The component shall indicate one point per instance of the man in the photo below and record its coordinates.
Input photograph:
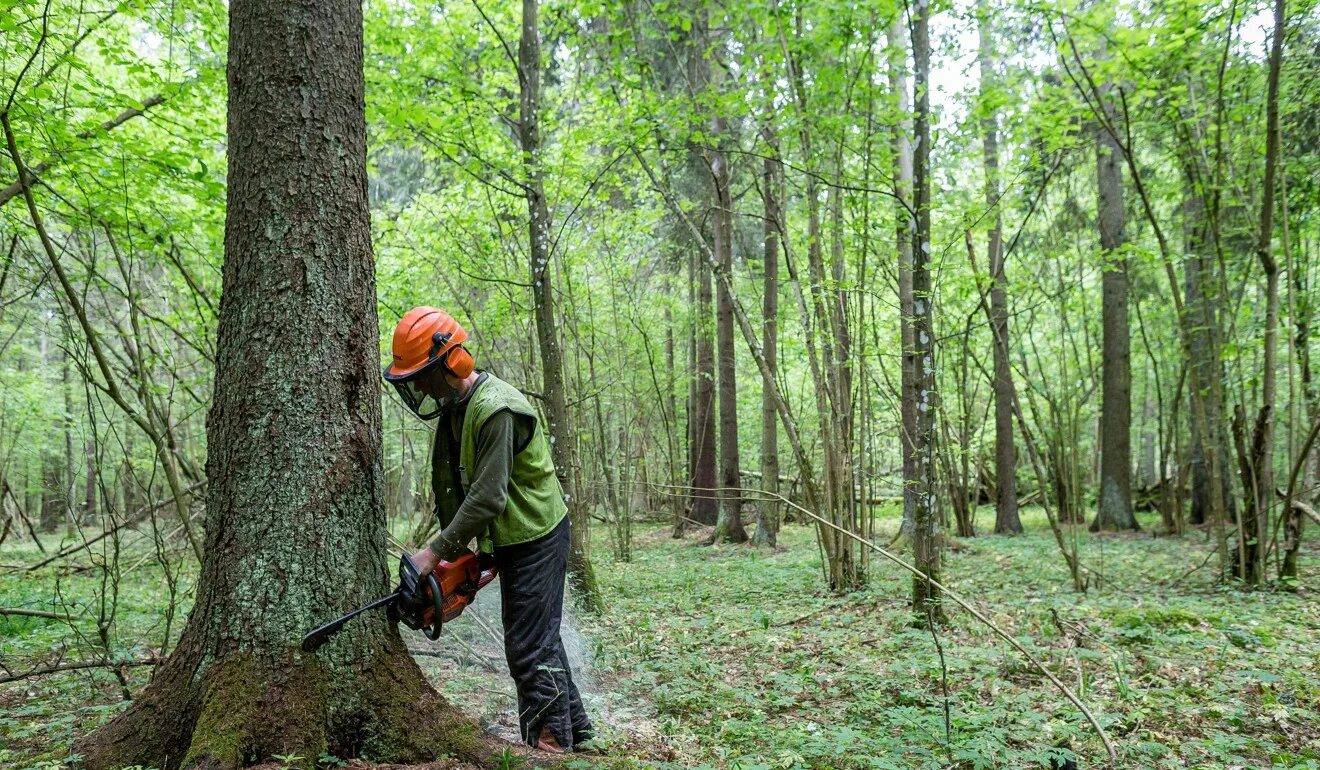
(494, 481)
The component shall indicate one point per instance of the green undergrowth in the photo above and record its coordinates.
(750, 664)
(736, 657)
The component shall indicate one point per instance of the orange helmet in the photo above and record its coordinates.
(423, 338)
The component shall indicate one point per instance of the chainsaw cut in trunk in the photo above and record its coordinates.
(295, 526)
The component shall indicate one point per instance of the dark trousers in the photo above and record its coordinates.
(532, 595)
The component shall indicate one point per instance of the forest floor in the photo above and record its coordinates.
(733, 657)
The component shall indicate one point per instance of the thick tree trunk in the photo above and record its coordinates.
(295, 526)
(1114, 507)
(925, 531)
(767, 513)
(1007, 521)
(563, 439)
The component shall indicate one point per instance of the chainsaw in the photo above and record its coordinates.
(422, 604)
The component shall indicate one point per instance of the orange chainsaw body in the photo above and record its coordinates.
(459, 581)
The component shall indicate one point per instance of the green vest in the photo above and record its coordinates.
(535, 499)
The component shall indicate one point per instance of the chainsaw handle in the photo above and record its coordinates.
(437, 602)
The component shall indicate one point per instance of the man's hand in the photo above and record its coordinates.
(425, 561)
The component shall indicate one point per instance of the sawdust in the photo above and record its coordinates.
(466, 664)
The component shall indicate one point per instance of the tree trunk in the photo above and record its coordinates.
(1114, 507)
(70, 478)
(1147, 476)
(1007, 521)
(294, 466)
(729, 526)
(53, 501)
(925, 532)
(1262, 452)
(1202, 306)
(670, 404)
(89, 496)
(1294, 522)
(767, 513)
(902, 145)
(562, 438)
(705, 506)
(695, 418)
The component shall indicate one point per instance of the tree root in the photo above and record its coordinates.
(236, 712)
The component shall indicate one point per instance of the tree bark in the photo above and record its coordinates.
(1114, 507)
(89, 496)
(562, 437)
(729, 525)
(70, 477)
(925, 534)
(767, 514)
(1202, 307)
(1007, 521)
(902, 146)
(705, 505)
(1262, 453)
(294, 437)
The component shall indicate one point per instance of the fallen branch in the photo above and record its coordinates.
(24, 612)
(1301, 506)
(44, 670)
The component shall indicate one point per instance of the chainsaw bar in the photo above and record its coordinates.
(319, 636)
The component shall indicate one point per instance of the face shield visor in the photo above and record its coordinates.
(425, 392)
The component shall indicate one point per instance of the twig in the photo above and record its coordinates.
(14, 188)
(135, 518)
(478, 659)
(7, 490)
(482, 622)
(944, 676)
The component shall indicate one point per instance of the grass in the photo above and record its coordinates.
(733, 657)
(750, 664)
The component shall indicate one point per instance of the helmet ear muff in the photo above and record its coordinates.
(460, 362)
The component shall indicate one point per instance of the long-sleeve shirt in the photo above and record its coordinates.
(500, 438)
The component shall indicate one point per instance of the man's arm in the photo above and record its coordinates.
(488, 492)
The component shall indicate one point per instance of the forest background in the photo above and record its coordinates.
(872, 268)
